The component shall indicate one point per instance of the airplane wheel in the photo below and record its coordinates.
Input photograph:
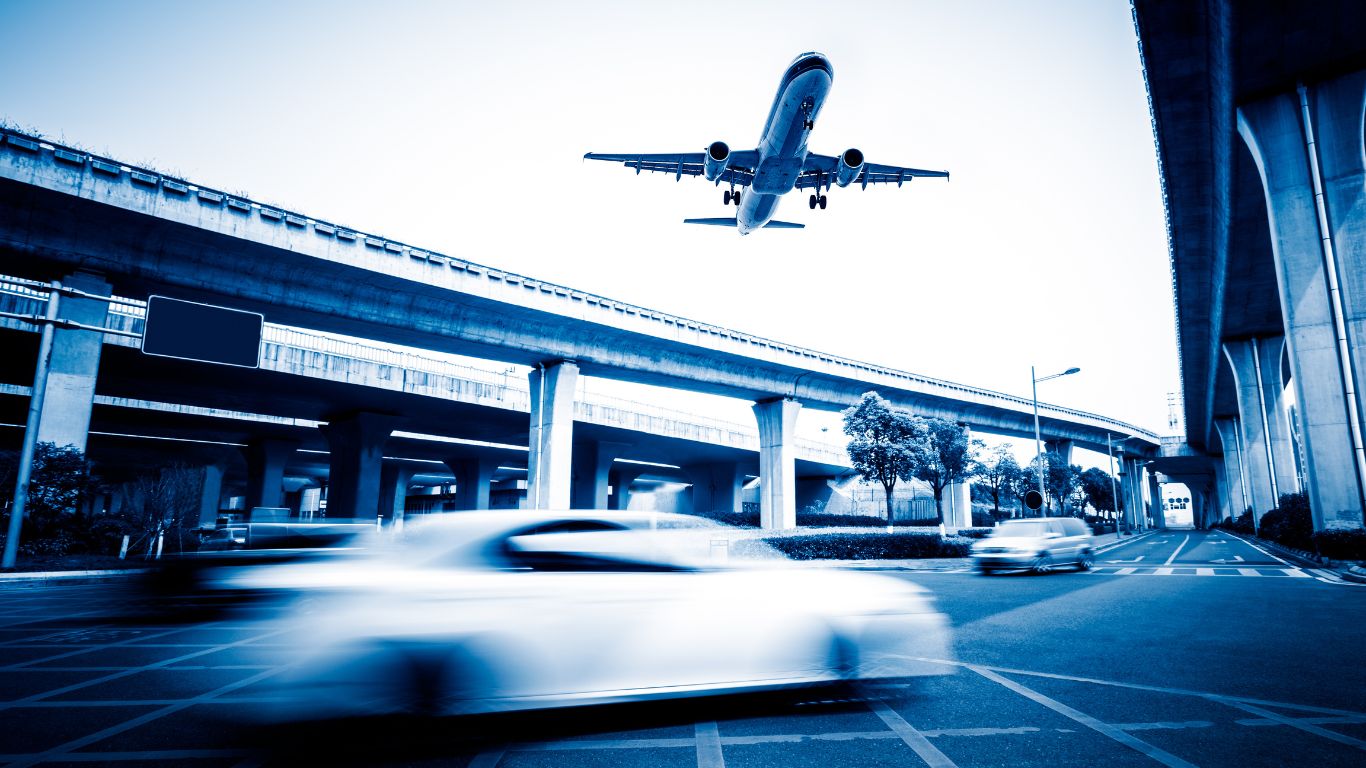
(737, 198)
(821, 202)
(812, 202)
(726, 197)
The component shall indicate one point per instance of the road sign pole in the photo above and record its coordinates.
(35, 412)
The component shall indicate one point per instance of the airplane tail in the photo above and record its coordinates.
(731, 223)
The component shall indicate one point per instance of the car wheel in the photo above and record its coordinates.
(1088, 559)
(1042, 563)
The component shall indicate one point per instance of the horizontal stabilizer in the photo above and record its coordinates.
(731, 223)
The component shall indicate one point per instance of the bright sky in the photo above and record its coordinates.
(460, 127)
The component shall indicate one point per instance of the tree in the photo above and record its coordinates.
(883, 443)
(1061, 480)
(947, 457)
(1099, 490)
(165, 502)
(999, 473)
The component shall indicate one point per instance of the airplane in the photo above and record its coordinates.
(781, 162)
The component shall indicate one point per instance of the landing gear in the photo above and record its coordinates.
(726, 198)
(811, 203)
(733, 196)
(808, 104)
(816, 200)
(821, 202)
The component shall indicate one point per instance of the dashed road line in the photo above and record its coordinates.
(708, 740)
(1292, 722)
(1179, 547)
(912, 738)
(1132, 742)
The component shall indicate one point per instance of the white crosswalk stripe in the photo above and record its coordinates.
(1216, 571)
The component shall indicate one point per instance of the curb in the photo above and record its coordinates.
(1354, 573)
(75, 577)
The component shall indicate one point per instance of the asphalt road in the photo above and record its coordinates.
(1181, 648)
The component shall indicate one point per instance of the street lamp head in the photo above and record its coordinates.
(1071, 371)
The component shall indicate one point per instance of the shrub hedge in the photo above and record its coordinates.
(1290, 524)
(865, 546)
(1342, 544)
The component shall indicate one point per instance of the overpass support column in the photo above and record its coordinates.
(958, 505)
(393, 491)
(1133, 493)
(592, 469)
(622, 477)
(715, 487)
(210, 492)
(777, 462)
(1308, 149)
(356, 445)
(550, 461)
(473, 480)
(70, 391)
(1235, 480)
(1158, 514)
(266, 460)
(1268, 461)
(1061, 447)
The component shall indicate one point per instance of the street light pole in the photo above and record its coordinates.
(1038, 441)
(35, 412)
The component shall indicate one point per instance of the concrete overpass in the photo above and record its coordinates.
(111, 226)
(1257, 113)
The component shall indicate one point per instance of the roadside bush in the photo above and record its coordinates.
(1342, 544)
(983, 519)
(975, 533)
(1290, 524)
(866, 546)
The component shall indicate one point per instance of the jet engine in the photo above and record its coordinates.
(851, 165)
(714, 162)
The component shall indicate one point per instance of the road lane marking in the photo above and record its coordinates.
(1136, 744)
(912, 738)
(1293, 723)
(708, 740)
(1125, 571)
(1204, 571)
(1142, 687)
(1296, 573)
(1249, 572)
(1179, 547)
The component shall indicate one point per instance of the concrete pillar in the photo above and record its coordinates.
(715, 487)
(622, 477)
(777, 462)
(473, 480)
(210, 491)
(958, 505)
(393, 491)
(592, 467)
(1235, 480)
(1156, 512)
(356, 447)
(1131, 490)
(551, 441)
(266, 460)
(1314, 254)
(1266, 449)
(70, 390)
(1061, 447)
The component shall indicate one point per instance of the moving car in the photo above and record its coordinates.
(481, 612)
(1037, 543)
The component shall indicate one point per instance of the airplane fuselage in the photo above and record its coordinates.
(782, 148)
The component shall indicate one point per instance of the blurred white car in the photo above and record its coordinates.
(497, 611)
(1039, 544)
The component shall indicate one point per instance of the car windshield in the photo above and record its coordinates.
(1021, 528)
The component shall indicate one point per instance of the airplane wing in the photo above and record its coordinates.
(819, 171)
(739, 168)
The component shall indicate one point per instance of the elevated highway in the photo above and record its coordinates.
(143, 232)
(1257, 114)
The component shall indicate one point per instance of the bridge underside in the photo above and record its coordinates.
(1270, 354)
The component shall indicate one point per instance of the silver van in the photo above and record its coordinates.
(1037, 543)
